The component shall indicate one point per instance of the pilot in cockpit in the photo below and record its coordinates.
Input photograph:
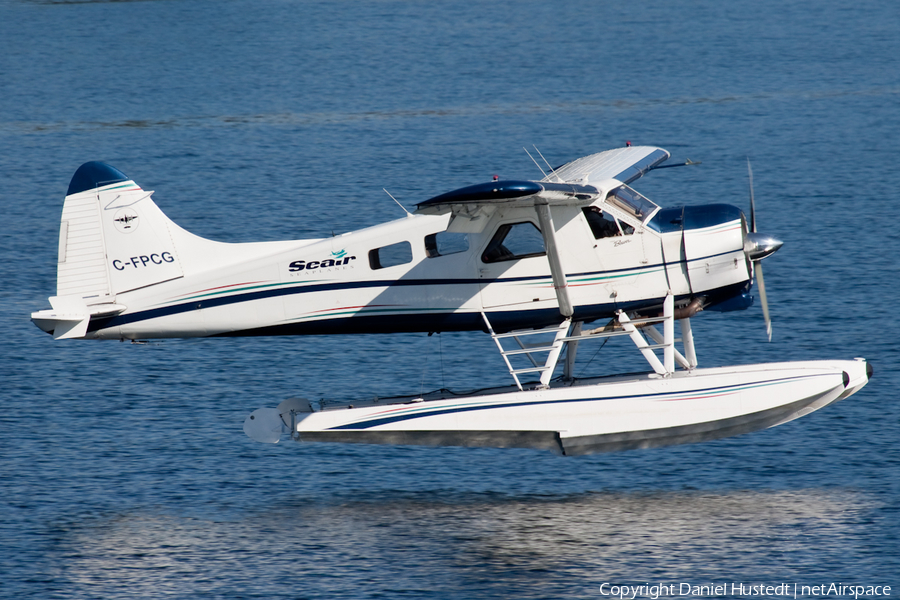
(602, 226)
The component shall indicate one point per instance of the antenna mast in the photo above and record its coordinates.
(408, 214)
(545, 162)
(534, 161)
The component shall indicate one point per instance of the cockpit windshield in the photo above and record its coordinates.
(627, 199)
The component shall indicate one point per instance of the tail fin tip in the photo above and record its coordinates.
(92, 175)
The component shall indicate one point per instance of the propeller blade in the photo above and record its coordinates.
(762, 299)
(757, 248)
(752, 202)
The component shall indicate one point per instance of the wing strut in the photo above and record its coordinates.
(556, 271)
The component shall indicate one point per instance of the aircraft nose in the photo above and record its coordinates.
(760, 245)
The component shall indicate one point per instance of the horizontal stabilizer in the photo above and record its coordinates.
(70, 316)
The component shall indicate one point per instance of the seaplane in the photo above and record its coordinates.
(542, 266)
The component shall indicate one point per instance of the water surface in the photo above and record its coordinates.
(123, 468)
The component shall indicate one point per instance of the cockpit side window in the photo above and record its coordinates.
(514, 241)
(604, 225)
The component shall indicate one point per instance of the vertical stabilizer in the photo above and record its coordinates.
(113, 238)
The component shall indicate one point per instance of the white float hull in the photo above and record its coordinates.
(589, 416)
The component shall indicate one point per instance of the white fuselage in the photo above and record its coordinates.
(332, 285)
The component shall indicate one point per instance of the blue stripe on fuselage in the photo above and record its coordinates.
(165, 311)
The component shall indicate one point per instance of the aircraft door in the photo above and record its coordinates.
(514, 271)
(619, 249)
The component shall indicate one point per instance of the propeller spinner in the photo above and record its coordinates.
(757, 246)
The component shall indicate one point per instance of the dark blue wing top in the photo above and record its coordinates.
(497, 192)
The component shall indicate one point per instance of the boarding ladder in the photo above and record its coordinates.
(563, 337)
(553, 349)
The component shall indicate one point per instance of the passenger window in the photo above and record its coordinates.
(604, 225)
(444, 243)
(390, 256)
(514, 241)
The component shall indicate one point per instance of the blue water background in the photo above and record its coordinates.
(123, 468)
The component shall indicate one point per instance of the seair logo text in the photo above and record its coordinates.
(340, 260)
(143, 261)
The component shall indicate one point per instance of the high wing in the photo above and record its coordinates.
(623, 164)
(514, 194)
(577, 183)
(573, 184)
